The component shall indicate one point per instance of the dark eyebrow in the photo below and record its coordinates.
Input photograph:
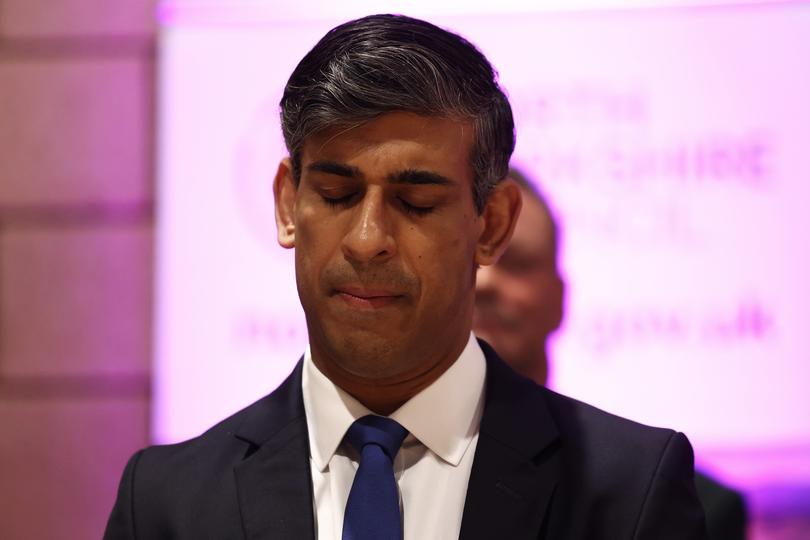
(338, 169)
(414, 176)
(407, 176)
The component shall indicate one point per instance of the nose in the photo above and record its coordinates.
(370, 238)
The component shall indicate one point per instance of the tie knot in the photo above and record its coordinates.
(379, 430)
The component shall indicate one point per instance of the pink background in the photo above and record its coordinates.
(673, 144)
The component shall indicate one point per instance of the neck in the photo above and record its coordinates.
(385, 399)
(384, 395)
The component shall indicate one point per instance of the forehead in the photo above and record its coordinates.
(397, 141)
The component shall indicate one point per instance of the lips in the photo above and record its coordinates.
(367, 298)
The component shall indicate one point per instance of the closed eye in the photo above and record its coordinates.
(414, 209)
(335, 202)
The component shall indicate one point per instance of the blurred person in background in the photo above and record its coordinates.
(520, 304)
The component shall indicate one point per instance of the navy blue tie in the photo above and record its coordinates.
(372, 511)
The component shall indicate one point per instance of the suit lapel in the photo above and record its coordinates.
(516, 464)
(273, 481)
(513, 478)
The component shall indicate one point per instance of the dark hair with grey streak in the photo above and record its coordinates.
(384, 63)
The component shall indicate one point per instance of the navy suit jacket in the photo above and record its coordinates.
(546, 467)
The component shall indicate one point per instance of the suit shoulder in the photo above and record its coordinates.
(252, 425)
(580, 421)
(216, 442)
(632, 476)
(614, 454)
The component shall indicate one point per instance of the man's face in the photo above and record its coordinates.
(519, 299)
(385, 236)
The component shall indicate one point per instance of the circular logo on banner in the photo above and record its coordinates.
(257, 154)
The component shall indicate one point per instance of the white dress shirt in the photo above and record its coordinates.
(433, 466)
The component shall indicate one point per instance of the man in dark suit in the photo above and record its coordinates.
(397, 423)
(519, 304)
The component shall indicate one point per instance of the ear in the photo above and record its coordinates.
(499, 217)
(284, 193)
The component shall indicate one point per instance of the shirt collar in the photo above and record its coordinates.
(444, 417)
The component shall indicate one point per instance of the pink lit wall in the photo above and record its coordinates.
(674, 146)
